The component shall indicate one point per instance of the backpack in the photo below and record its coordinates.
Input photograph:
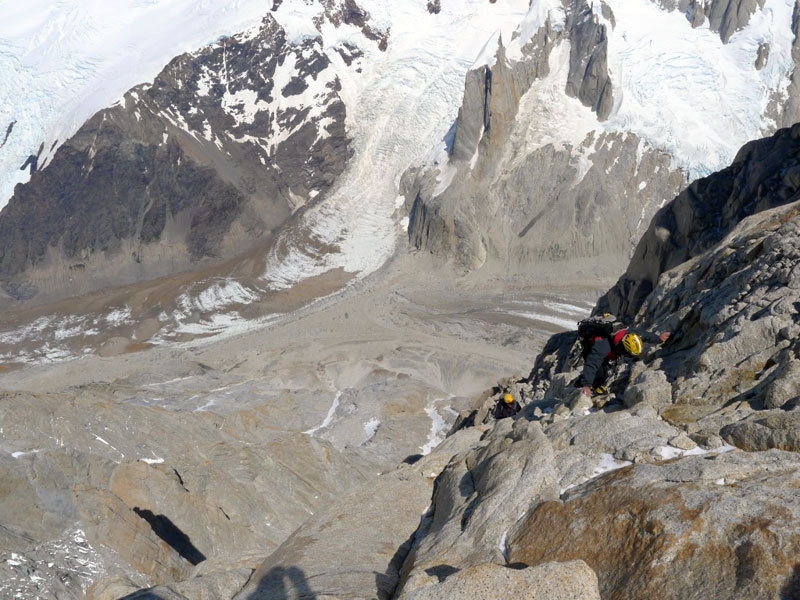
(594, 327)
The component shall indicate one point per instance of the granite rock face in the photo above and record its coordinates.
(719, 526)
(588, 78)
(528, 208)
(722, 16)
(765, 173)
(555, 581)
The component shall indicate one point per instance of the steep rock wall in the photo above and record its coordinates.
(765, 173)
(512, 206)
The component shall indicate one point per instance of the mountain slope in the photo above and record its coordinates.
(567, 145)
(210, 158)
(763, 175)
(573, 94)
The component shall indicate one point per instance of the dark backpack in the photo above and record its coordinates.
(593, 327)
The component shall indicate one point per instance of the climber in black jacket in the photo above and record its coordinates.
(506, 407)
(606, 350)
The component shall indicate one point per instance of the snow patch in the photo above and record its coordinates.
(371, 428)
(438, 430)
(329, 417)
(606, 463)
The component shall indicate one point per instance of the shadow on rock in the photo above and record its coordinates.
(792, 587)
(164, 528)
(386, 583)
(274, 586)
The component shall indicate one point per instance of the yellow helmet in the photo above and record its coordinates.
(633, 344)
(508, 398)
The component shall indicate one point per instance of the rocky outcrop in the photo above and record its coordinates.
(198, 166)
(349, 12)
(670, 531)
(723, 16)
(515, 207)
(555, 581)
(764, 174)
(588, 78)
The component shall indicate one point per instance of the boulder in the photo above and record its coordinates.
(712, 526)
(651, 388)
(765, 430)
(785, 386)
(572, 580)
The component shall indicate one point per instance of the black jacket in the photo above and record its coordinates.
(605, 351)
(503, 410)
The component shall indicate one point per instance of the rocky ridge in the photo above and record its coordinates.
(682, 485)
(701, 442)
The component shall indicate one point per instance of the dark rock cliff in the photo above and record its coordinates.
(588, 78)
(764, 174)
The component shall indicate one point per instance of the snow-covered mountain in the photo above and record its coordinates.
(445, 112)
(244, 302)
(63, 61)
